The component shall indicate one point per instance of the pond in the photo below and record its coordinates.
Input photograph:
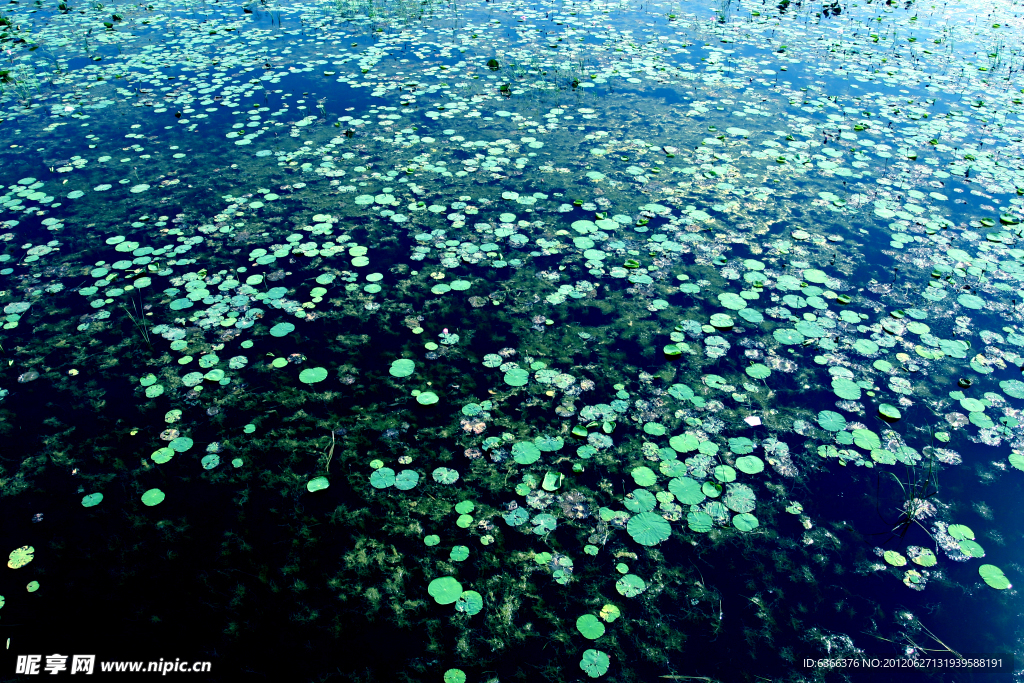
(382, 340)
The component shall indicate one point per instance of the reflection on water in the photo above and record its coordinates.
(424, 341)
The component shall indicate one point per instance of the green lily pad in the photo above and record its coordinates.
(750, 464)
(153, 497)
(427, 398)
(525, 452)
(317, 484)
(281, 329)
(445, 475)
(890, 413)
(590, 626)
(831, 421)
(313, 375)
(403, 367)
(687, 491)
(644, 476)
(648, 528)
(894, 558)
(470, 602)
(595, 663)
(454, 676)
(382, 478)
(788, 336)
(630, 585)
(517, 377)
(758, 371)
(745, 522)
(994, 577)
(445, 590)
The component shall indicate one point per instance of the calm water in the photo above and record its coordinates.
(489, 341)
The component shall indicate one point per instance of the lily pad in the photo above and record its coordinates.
(590, 627)
(994, 577)
(313, 375)
(445, 590)
(403, 367)
(648, 528)
(630, 585)
(317, 484)
(595, 663)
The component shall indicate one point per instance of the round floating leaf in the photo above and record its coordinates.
(403, 367)
(787, 335)
(92, 500)
(427, 398)
(470, 602)
(739, 498)
(445, 475)
(684, 443)
(758, 371)
(406, 480)
(516, 517)
(750, 464)
(961, 532)
(993, 576)
(630, 585)
(644, 476)
(19, 557)
(700, 522)
(317, 484)
(711, 489)
(925, 558)
(525, 452)
(648, 528)
(431, 540)
(445, 590)
(459, 553)
(866, 439)
(382, 478)
(281, 329)
(1013, 387)
(721, 320)
(1017, 460)
(846, 389)
(590, 626)
(971, 549)
(894, 558)
(745, 522)
(153, 497)
(890, 413)
(595, 663)
(972, 405)
(971, 301)
(549, 443)
(180, 444)
(454, 676)
(831, 421)
(517, 377)
(313, 375)
(654, 429)
(733, 302)
(725, 474)
(687, 491)
(741, 445)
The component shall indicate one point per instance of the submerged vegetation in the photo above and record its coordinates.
(486, 341)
